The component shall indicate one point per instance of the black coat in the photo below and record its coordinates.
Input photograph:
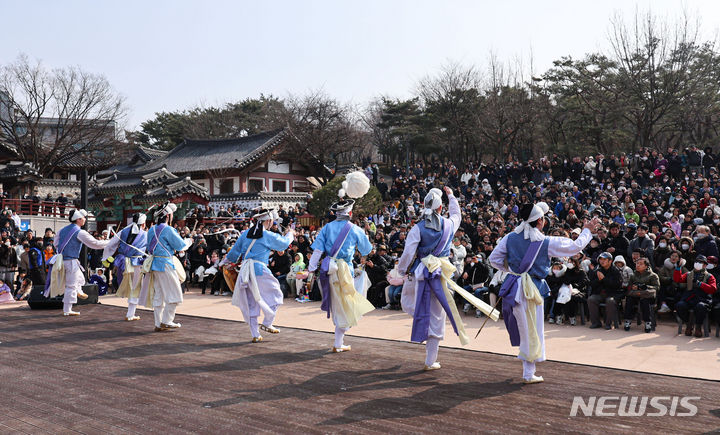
(609, 286)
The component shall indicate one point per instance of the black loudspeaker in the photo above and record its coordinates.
(92, 291)
(37, 299)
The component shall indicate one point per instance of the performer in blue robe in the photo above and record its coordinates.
(256, 289)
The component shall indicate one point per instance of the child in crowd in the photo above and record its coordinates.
(98, 278)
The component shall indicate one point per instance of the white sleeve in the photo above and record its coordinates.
(454, 210)
(314, 260)
(111, 247)
(90, 241)
(566, 247)
(411, 242)
(499, 254)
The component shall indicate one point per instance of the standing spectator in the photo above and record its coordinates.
(62, 201)
(641, 241)
(616, 242)
(37, 264)
(644, 284)
(8, 261)
(605, 282)
(701, 285)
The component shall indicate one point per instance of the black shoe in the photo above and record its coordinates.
(626, 326)
(595, 326)
(609, 327)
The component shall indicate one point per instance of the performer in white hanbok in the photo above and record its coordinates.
(525, 254)
(256, 289)
(130, 244)
(163, 271)
(338, 240)
(66, 275)
(426, 294)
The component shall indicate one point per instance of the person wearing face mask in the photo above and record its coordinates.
(705, 244)
(593, 249)
(701, 286)
(713, 269)
(669, 290)
(687, 249)
(662, 251)
(644, 283)
(554, 281)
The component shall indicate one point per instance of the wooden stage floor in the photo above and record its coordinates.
(98, 374)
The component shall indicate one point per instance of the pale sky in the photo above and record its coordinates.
(174, 54)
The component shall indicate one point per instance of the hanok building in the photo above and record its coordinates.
(250, 171)
(116, 198)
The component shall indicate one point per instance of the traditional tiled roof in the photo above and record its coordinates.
(17, 170)
(215, 154)
(148, 185)
(147, 154)
(266, 196)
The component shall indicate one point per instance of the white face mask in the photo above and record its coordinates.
(698, 266)
(570, 266)
(557, 272)
(710, 266)
(701, 235)
(685, 246)
(662, 245)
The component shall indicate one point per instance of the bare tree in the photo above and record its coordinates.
(323, 127)
(53, 117)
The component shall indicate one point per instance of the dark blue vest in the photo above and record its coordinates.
(517, 245)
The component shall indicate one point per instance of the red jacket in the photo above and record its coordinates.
(708, 287)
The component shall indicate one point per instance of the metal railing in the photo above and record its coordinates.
(36, 208)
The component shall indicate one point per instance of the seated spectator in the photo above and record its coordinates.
(576, 278)
(377, 266)
(296, 268)
(701, 285)
(554, 281)
(687, 250)
(670, 290)
(23, 292)
(625, 271)
(5, 293)
(474, 277)
(280, 266)
(644, 284)
(98, 278)
(393, 291)
(212, 273)
(705, 244)
(605, 285)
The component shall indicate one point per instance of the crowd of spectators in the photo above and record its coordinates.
(660, 220)
(655, 254)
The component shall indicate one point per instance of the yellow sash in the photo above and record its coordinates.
(347, 304)
(126, 289)
(447, 269)
(532, 295)
(57, 277)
